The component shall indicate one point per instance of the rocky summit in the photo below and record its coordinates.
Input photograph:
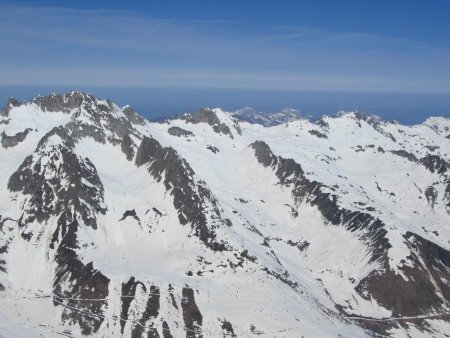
(220, 224)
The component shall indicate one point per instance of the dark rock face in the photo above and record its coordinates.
(427, 285)
(130, 213)
(215, 150)
(91, 117)
(12, 141)
(447, 193)
(318, 134)
(12, 102)
(264, 154)
(435, 163)
(205, 116)
(128, 294)
(222, 129)
(55, 178)
(300, 245)
(80, 288)
(7, 225)
(403, 153)
(290, 173)
(172, 297)
(322, 123)
(191, 314)
(209, 117)
(127, 146)
(227, 328)
(132, 116)
(180, 132)
(431, 195)
(101, 119)
(193, 200)
(166, 330)
(150, 313)
(60, 103)
(57, 182)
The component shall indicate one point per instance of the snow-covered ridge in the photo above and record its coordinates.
(208, 225)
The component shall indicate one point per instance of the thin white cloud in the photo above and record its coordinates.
(60, 46)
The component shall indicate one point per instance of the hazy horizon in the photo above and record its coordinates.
(154, 102)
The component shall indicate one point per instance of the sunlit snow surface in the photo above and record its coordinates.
(157, 250)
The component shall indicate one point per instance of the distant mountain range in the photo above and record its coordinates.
(247, 114)
(221, 224)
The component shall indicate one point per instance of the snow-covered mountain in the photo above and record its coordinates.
(248, 114)
(210, 226)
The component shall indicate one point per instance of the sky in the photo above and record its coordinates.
(381, 56)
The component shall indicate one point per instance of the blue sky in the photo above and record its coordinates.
(319, 46)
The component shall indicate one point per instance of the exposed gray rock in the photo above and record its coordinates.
(192, 316)
(177, 131)
(205, 116)
(209, 117)
(145, 323)
(78, 287)
(322, 123)
(432, 148)
(264, 154)
(12, 102)
(418, 293)
(128, 295)
(166, 330)
(172, 297)
(192, 199)
(157, 212)
(447, 193)
(57, 182)
(132, 116)
(102, 119)
(403, 153)
(435, 163)
(12, 141)
(292, 211)
(127, 146)
(228, 328)
(53, 178)
(62, 103)
(91, 117)
(255, 331)
(222, 129)
(215, 150)
(317, 133)
(300, 245)
(431, 195)
(282, 277)
(130, 213)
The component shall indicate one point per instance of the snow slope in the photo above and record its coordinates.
(208, 225)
